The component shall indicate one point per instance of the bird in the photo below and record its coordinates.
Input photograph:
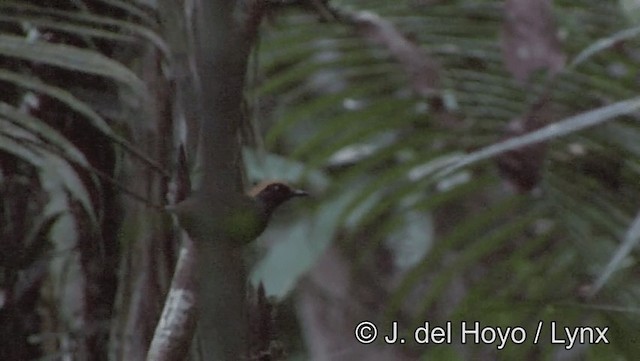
(241, 219)
(270, 195)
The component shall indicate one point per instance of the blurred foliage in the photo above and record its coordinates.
(343, 106)
(388, 167)
(72, 102)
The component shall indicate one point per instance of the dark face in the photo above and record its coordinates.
(275, 194)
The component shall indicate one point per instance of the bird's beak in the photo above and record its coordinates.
(299, 193)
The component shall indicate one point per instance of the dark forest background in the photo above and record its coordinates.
(468, 161)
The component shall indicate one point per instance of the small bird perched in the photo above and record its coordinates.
(270, 195)
(241, 219)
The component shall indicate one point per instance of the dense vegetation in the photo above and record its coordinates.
(468, 160)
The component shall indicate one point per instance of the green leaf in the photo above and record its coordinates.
(72, 58)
